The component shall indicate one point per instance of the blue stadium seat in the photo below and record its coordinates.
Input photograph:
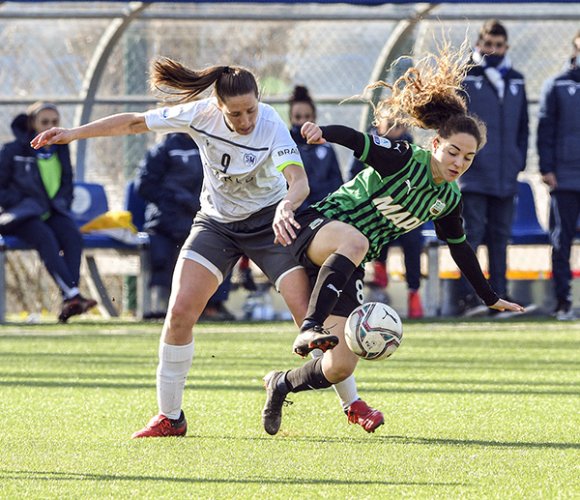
(90, 201)
(526, 229)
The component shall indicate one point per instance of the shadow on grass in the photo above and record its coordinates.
(460, 381)
(483, 443)
(249, 360)
(405, 440)
(72, 384)
(75, 476)
(196, 379)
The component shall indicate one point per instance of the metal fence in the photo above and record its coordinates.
(92, 57)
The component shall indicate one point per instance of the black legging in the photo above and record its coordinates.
(50, 237)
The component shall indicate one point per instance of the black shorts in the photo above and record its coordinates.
(218, 245)
(352, 295)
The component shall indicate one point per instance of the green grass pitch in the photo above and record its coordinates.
(473, 410)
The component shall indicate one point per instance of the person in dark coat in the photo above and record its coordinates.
(320, 160)
(36, 192)
(496, 94)
(558, 143)
(170, 179)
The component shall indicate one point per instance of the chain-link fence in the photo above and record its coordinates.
(92, 58)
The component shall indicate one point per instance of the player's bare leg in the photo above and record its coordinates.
(338, 249)
(193, 285)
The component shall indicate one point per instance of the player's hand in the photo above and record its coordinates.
(312, 133)
(550, 180)
(284, 224)
(504, 305)
(54, 135)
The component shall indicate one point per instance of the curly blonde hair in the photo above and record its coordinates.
(428, 95)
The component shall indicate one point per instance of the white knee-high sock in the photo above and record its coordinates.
(345, 390)
(174, 363)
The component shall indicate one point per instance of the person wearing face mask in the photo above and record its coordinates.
(496, 94)
(320, 160)
(558, 143)
(36, 192)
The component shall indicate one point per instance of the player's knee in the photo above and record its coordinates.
(337, 374)
(180, 317)
(357, 246)
(337, 370)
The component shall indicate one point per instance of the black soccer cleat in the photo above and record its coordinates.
(314, 338)
(75, 306)
(272, 412)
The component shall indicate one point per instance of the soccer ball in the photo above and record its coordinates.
(373, 331)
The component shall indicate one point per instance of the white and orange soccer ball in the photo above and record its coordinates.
(373, 331)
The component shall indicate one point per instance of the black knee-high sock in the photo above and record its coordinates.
(306, 378)
(333, 275)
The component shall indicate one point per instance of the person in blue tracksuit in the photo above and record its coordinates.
(496, 94)
(558, 143)
(170, 179)
(36, 192)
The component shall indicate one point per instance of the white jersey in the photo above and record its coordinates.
(242, 173)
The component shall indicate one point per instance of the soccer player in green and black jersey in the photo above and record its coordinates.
(404, 186)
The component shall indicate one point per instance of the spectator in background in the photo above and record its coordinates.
(170, 180)
(36, 192)
(411, 242)
(558, 144)
(496, 94)
(320, 160)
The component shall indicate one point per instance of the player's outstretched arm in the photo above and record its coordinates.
(120, 124)
(466, 260)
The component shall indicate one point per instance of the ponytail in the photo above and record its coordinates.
(183, 84)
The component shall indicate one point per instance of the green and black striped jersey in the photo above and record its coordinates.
(383, 203)
(395, 194)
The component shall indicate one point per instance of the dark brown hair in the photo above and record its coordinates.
(428, 95)
(301, 94)
(183, 84)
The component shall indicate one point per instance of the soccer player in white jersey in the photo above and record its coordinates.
(253, 181)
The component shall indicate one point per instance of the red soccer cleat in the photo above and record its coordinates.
(161, 426)
(362, 414)
(415, 310)
(381, 278)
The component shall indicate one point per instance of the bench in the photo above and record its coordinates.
(90, 200)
